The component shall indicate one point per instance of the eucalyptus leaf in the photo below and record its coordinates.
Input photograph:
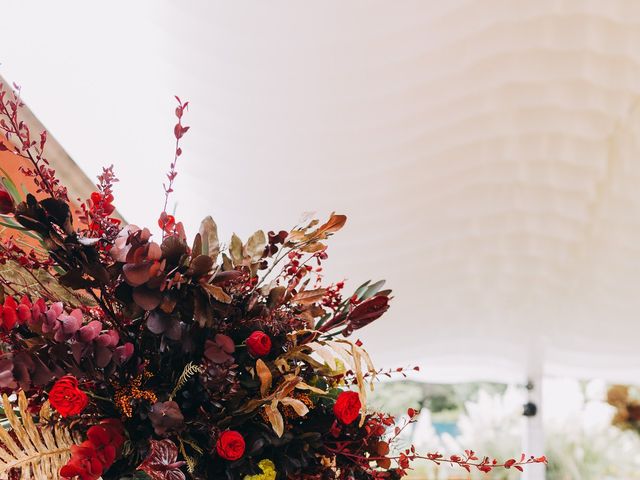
(361, 289)
(372, 290)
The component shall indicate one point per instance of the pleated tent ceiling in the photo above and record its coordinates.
(486, 152)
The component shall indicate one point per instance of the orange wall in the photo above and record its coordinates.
(10, 163)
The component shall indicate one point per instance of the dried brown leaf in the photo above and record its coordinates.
(309, 297)
(235, 250)
(217, 292)
(300, 408)
(209, 233)
(255, 246)
(335, 223)
(275, 418)
(313, 247)
(264, 374)
(196, 249)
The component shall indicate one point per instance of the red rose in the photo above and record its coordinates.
(230, 445)
(67, 398)
(259, 344)
(347, 407)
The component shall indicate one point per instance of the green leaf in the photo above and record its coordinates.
(12, 226)
(8, 222)
(372, 290)
(323, 320)
(362, 288)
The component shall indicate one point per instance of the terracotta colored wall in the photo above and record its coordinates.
(10, 163)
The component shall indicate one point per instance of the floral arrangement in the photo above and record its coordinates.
(132, 358)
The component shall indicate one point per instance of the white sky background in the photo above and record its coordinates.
(263, 145)
(469, 142)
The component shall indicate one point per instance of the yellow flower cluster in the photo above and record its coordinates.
(268, 471)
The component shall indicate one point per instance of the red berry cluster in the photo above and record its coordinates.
(333, 298)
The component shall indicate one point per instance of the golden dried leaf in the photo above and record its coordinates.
(275, 418)
(309, 297)
(235, 250)
(38, 450)
(282, 365)
(264, 374)
(255, 246)
(313, 247)
(285, 388)
(305, 386)
(328, 356)
(298, 406)
(217, 292)
(335, 223)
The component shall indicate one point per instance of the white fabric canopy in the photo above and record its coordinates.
(486, 152)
